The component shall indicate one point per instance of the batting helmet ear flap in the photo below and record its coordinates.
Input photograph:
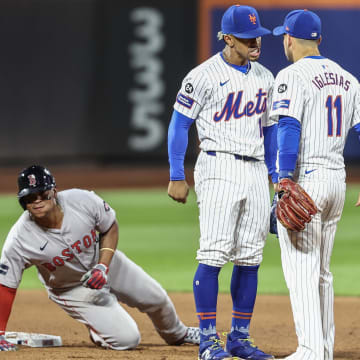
(32, 180)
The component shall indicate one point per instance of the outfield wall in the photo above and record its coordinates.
(92, 82)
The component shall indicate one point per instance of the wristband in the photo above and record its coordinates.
(109, 249)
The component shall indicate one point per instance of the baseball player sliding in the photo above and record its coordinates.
(71, 237)
(317, 103)
(227, 97)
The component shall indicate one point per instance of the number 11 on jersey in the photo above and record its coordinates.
(331, 105)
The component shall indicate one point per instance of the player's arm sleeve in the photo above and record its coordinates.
(104, 215)
(270, 144)
(13, 261)
(193, 94)
(177, 144)
(7, 296)
(289, 95)
(289, 130)
(357, 129)
(356, 116)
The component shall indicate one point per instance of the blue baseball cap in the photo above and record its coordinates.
(243, 22)
(302, 24)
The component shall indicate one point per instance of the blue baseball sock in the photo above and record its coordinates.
(244, 282)
(206, 287)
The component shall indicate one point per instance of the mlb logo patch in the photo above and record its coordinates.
(281, 104)
(185, 101)
(314, 34)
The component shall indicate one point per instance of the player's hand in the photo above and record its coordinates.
(178, 190)
(276, 187)
(358, 202)
(5, 345)
(95, 278)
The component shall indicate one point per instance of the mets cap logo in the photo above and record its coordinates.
(252, 18)
(32, 180)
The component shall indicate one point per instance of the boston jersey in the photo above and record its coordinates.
(63, 255)
(325, 99)
(230, 107)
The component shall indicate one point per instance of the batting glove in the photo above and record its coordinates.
(95, 278)
(5, 345)
(273, 219)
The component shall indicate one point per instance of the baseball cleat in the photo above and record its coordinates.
(244, 348)
(212, 350)
(192, 336)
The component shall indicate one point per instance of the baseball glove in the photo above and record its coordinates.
(295, 206)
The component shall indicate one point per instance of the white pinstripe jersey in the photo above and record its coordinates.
(230, 107)
(326, 100)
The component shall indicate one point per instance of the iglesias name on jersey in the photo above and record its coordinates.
(326, 100)
(229, 106)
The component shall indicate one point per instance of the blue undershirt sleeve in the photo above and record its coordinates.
(177, 144)
(270, 144)
(289, 130)
(357, 129)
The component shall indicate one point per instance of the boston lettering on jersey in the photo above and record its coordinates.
(326, 79)
(67, 254)
(232, 108)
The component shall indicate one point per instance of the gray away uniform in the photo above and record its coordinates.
(63, 256)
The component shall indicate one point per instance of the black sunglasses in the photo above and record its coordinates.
(44, 195)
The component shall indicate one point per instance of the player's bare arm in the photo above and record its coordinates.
(178, 190)
(358, 202)
(108, 244)
(96, 277)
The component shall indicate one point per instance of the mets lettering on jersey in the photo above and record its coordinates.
(221, 94)
(231, 109)
(67, 254)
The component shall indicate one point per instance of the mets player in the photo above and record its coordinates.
(317, 102)
(71, 237)
(227, 97)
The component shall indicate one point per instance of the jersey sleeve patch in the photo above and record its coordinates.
(185, 101)
(3, 269)
(106, 206)
(281, 104)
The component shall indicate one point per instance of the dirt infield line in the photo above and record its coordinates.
(272, 327)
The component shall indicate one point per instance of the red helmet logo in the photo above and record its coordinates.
(32, 180)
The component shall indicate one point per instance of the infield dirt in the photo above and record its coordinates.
(272, 328)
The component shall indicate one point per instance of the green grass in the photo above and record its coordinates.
(162, 236)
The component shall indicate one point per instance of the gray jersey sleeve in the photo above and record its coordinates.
(12, 262)
(104, 214)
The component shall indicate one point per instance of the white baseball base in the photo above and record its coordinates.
(32, 339)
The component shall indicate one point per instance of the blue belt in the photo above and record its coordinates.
(237, 157)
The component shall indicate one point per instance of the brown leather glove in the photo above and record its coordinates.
(295, 207)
